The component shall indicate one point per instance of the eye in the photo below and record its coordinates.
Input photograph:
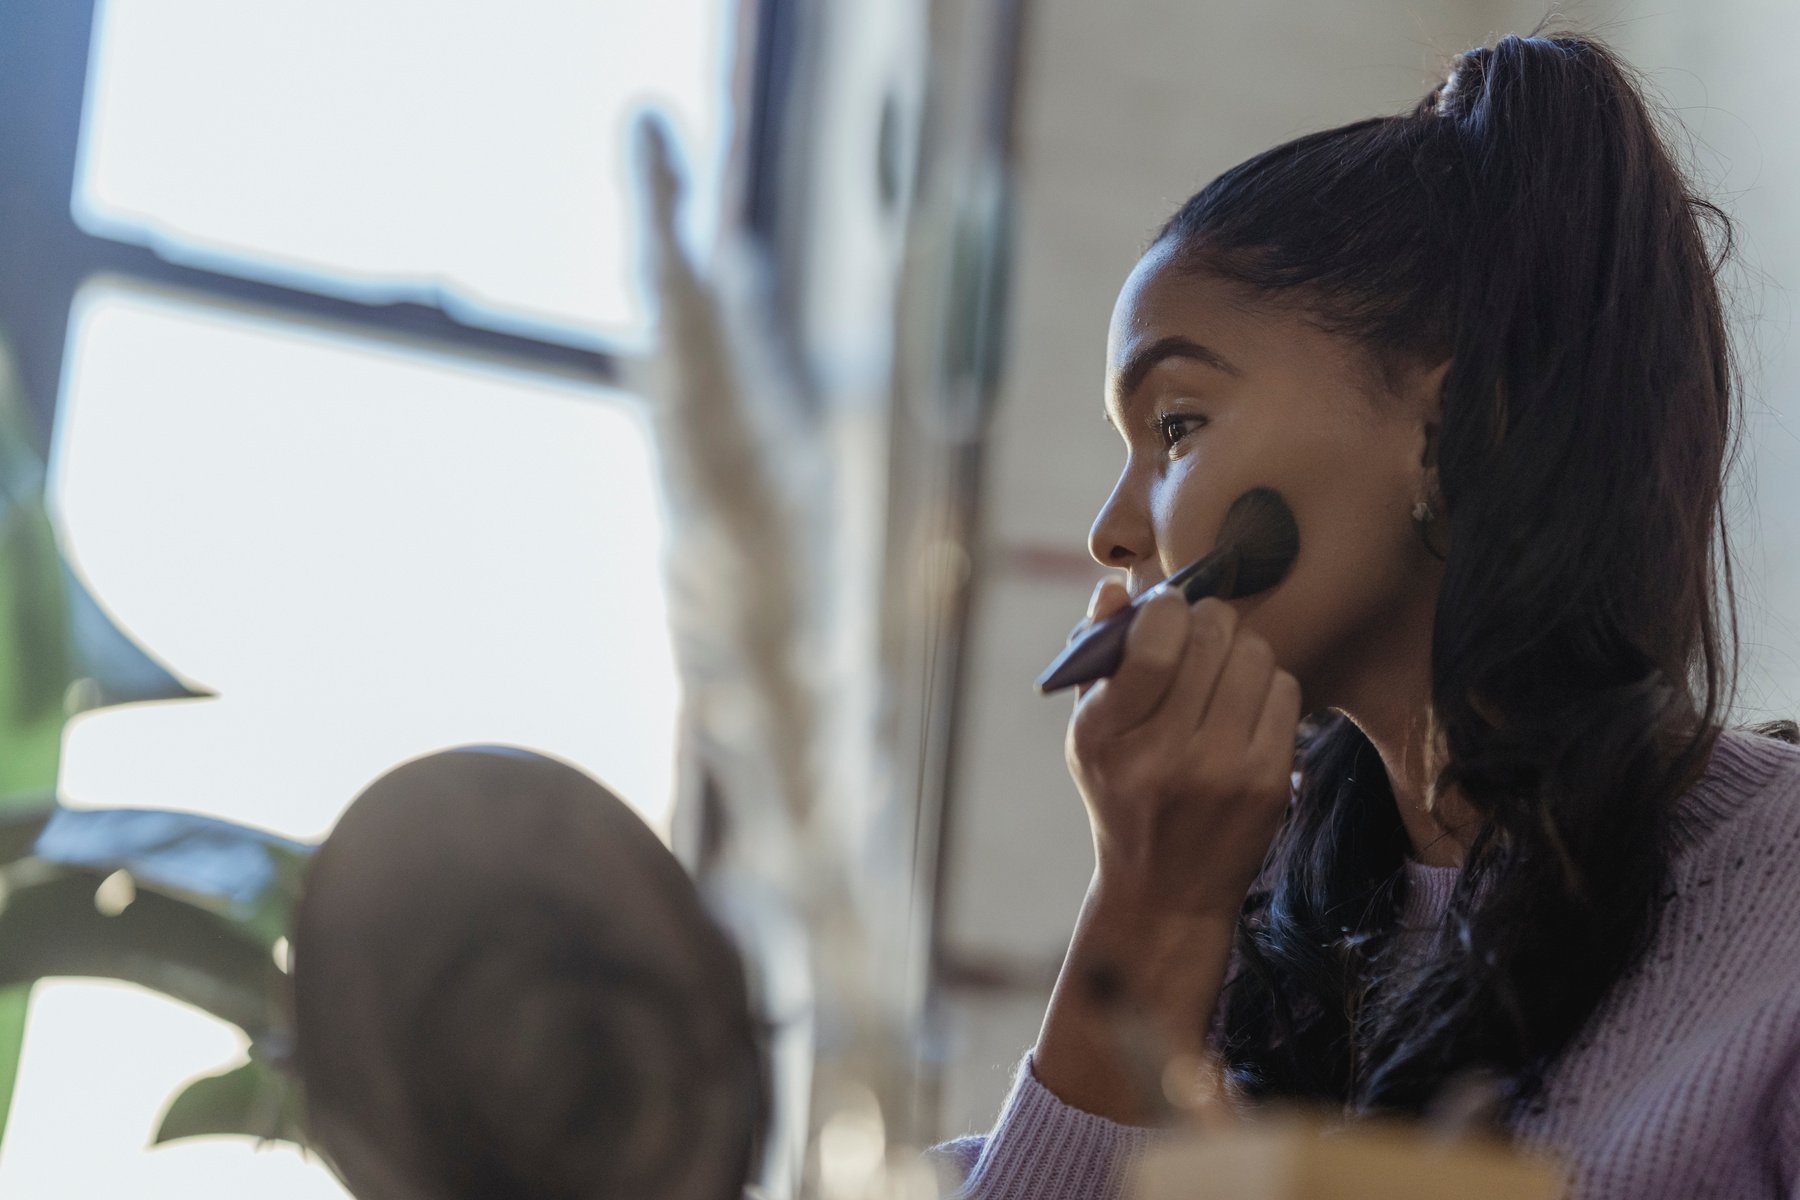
(1173, 427)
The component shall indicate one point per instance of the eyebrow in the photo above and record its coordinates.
(1139, 366)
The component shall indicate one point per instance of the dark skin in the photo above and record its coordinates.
(1183, 756)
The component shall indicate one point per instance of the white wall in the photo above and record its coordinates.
(1726, 69)
(1129, 107)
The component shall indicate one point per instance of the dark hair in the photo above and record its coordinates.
(1528, 221)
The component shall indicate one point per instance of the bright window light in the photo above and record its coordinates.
(369, 552)
(391, 148)
(100, 1062)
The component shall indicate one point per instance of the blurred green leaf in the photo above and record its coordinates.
(207, 902)
(53, 632)
(13, 1001)
(59, 645)
(54, 928)
(37, 661)
(255, 1099)
(36, 667)
(247, 876)
(204, 903)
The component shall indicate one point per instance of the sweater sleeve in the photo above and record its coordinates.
(1041, 1149)
(1785, 1133)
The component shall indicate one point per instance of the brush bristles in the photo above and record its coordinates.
(1260, 526)
(1256, 546)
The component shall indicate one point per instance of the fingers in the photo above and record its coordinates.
(1192, 676)
(1212, 626)
(1153, 651)
(1108, 598)
(1110, 595)
(1238, 700)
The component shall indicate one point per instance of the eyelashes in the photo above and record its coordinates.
(1173, 428)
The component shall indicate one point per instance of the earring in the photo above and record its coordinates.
(1423, 514)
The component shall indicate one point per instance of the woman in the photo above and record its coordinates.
(1479, 349)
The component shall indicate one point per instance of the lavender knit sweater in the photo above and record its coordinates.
(1684, 1085)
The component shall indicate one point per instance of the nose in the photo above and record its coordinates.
(1120, 537)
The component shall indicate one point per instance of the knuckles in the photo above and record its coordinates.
(1083, 742)
(1157, 637)
(1255, 651)
(1090, 734)
(1107, 599)
(1215, 619)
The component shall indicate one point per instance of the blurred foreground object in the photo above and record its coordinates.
(1292, 1157)
(506, 986)
(820, 396)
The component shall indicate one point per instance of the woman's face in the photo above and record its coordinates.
(1213, 398)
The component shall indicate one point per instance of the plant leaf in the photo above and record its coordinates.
(245, 875)
(254, 1099)
(53, 633)
(36, 667)
(53, 928)
(13, 1001)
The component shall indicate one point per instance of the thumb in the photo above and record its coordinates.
(1108, 598)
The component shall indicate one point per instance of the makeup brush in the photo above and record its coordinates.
(1255, 548)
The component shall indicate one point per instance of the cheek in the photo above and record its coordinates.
(1186, 509)
(1352, 574)
(1188, 504)
(1351, 503)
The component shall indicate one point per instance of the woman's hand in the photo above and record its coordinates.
(1184, 757)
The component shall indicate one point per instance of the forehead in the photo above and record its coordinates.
(1155, 263)
(1160, 299)
(1164, 297)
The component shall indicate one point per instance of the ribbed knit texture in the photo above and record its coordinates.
(1685, 1084)
(1042, 1147)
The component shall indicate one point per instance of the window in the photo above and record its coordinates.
(466, 154)
(368, 551)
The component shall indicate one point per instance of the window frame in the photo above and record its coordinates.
(45, 257)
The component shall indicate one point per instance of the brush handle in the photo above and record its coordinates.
(1093, 655)
(1097, 652)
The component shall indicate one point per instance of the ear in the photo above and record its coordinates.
(1425, 392)
(1425, 396)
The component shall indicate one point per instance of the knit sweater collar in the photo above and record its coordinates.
(1742, 764)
